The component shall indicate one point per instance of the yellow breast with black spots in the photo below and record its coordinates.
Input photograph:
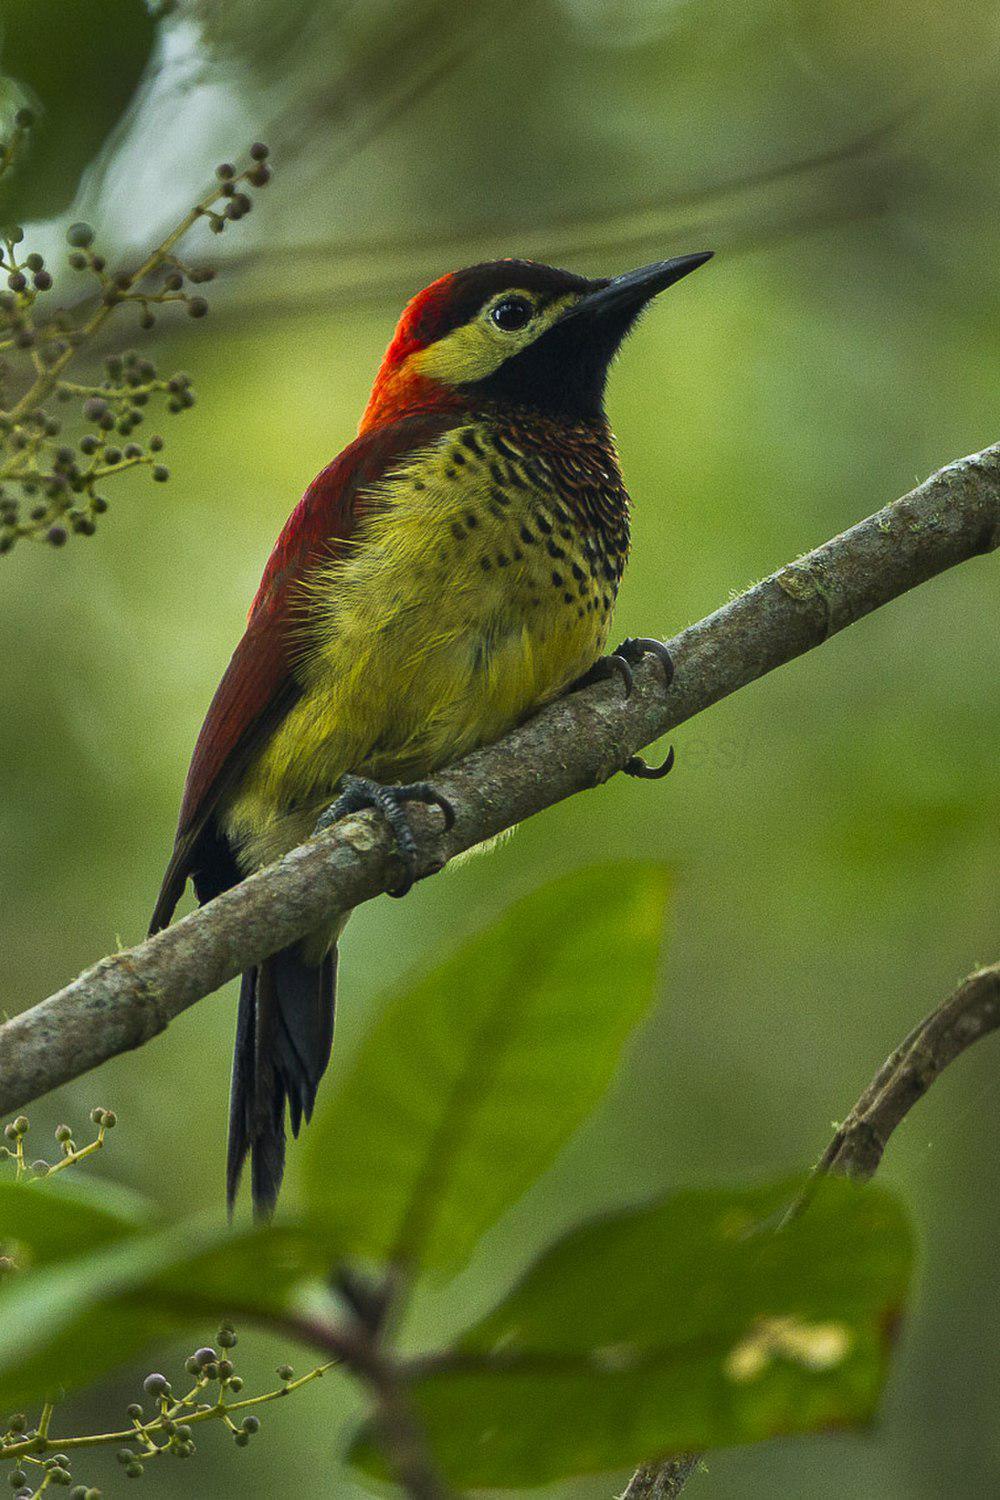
(480, 585)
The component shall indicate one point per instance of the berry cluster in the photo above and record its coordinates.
(160, 1425)
(16, 1136)
(52, 483)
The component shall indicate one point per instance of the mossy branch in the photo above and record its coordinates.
(574, 744)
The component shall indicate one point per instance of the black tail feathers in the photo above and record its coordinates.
(284, 1033)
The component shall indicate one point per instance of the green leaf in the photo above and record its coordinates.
(473, 1078)
(96, 1288)
(42, 1222)
(684, 1326)
(77, 63)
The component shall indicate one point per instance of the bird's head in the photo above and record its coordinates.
(516, 332)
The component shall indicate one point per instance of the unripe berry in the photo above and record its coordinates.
(80, 235)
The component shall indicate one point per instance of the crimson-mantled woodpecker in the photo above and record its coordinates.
(454, 568)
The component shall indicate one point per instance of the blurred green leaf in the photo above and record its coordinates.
(77, 63)
(683, 1326)
(96, 1287)
(474, 1077)
(48, 1222)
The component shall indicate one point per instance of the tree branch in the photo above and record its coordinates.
(971, 1013)
(576, 743)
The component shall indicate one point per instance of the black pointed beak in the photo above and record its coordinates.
(629, 293)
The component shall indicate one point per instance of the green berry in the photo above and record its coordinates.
(285, 1372)
(21, 1125)
(160, 473)
(80, 235)
(63, 1133)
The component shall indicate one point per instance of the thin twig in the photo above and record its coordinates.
(573, 744)
(971, 1013)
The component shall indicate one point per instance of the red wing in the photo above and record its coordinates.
(259, 685)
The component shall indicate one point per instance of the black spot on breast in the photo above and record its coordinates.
(554, 550)
(471, 520)
(502, 560)
(485, 564)
(457, 457)
(472, 442)
(567, 598)
(528, 536)
(557, 579)
(502, 445)
(578, 573)
(499, 496)
(457, 530)
(542, 523)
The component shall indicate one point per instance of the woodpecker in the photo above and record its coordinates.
(450, 571)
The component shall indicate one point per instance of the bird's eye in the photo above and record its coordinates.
(512, 313)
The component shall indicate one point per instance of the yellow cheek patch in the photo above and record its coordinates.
(478, 348)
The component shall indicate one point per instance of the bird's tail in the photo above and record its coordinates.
(284, 1033)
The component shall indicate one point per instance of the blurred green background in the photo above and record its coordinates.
(834, 829)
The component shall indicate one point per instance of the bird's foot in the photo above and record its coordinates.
(636, 766)
(358, 792)
(619, 663)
